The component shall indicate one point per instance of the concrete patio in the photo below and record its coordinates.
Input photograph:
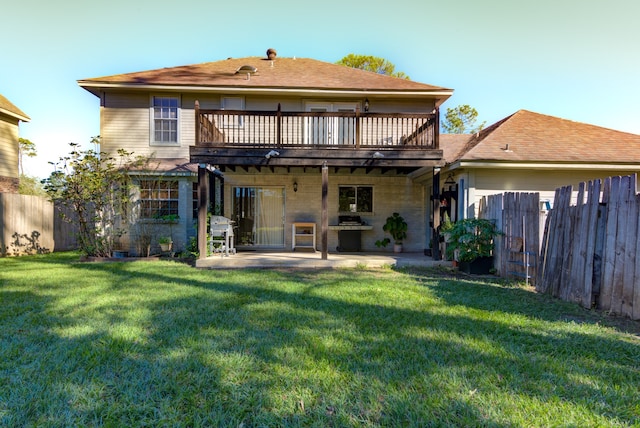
(309, 259)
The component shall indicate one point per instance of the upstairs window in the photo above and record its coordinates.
(158, 198)
(355, 199)
(164, 121)
(232, 103)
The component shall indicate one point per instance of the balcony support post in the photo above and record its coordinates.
(436, 129)
(324, 227)
(279, 126)
(203, 205)
(357, 127)
(197, 111)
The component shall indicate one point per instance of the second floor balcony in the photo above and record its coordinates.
(351, 130)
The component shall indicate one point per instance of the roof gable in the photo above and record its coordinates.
(532, 137)
(8, 108)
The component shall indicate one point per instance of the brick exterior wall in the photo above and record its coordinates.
(9, 184)
(391, 194)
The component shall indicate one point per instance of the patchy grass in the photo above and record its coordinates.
(163, 344)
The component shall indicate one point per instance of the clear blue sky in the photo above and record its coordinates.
(575, 59)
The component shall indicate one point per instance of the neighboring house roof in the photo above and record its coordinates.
(452, 144)
(168, 166)
(277, 75)
(10, 109)
(528, 137)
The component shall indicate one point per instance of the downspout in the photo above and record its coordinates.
(462, 200)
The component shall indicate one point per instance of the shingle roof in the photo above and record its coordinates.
(532, 137)
(8, 108)
(452, 144)
(178, 166)
(289, 73)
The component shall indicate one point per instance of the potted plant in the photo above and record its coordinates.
(382, 242)
(397, 227)
(446, 225)
(471, 243)
(165, 243)
(445, 236)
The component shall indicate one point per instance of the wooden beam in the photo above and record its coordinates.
(292, 157)
(203, 204)
(197, 117)
(435, 204)
(324, 227)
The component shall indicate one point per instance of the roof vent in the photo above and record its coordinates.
(271, 53)
(248, 70)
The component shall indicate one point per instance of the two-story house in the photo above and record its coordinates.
(271, 142)
(10, 117)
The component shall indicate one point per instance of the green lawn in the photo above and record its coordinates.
(163, 344)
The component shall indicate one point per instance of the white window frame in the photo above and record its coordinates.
(152, 120)
(158, 197)
(232, 103)
(332, 129)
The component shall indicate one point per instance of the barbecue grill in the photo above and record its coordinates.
(349, 220)
(349, 240)
(221, 236)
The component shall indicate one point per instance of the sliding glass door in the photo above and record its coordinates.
(259, 216)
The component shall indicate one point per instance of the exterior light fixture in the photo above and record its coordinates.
(450, 179)
(366, 104)
(271, 154)
(451, 182)
(295, 186)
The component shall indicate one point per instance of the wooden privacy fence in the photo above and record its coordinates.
(517, 216)
(590, 251)
(32, 225)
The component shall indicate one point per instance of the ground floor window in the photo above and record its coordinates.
(158, 198)
(194, 200)
(355, 199)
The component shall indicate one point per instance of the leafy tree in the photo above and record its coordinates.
(25, 148)
(31, 186)
(97, 188)
(372, 63)
(461, 120)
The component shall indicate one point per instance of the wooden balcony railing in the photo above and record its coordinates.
(279, 129)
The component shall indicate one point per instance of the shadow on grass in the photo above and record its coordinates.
(268, 348)
(497, 294)
(530, 352)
